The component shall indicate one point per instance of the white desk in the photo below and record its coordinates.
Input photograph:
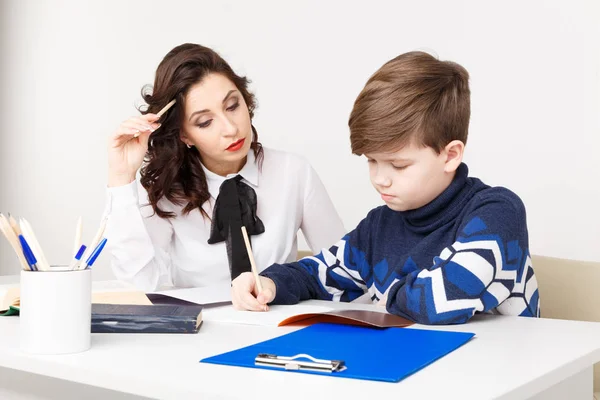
(510, 358)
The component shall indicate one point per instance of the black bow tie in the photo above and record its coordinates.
(235, 207)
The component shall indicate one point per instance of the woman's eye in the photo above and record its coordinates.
(205, 124)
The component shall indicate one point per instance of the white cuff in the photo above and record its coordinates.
(120, 197)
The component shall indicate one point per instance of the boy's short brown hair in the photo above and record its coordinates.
(411, 97)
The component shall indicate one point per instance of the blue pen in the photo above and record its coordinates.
(78, 256)
(29, 256)
(90, 261)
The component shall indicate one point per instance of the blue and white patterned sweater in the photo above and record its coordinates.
(465, 252)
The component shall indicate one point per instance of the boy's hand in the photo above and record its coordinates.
(245, 296)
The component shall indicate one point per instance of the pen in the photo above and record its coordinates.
(29, 256)
(35, 247)
(77, 257)
(90, 261)
(94, 242)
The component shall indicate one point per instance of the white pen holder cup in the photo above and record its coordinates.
(55, 314)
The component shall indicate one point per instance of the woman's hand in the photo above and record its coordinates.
(127, 148)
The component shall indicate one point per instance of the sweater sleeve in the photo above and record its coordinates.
(487, 267)
(333, 274)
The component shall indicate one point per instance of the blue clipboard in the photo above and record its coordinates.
(387, 355)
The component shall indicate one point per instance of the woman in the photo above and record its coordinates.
(204, 176)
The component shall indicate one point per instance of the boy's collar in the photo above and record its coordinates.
(440, 209)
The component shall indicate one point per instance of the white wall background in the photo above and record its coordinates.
(70, 71)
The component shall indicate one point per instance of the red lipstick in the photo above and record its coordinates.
(235, 146)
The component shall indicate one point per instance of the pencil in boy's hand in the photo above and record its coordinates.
(252, 262)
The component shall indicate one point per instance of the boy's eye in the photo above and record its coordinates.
(205, 124)
(233, 107)
(399, 167)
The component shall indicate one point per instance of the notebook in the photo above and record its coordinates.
(10, 301)
(217, 293)
(306, 314)
(387, 355)
(163, 299)
(121, 318)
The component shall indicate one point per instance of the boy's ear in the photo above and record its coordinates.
(454, 155)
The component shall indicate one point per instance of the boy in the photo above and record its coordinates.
(445, 245)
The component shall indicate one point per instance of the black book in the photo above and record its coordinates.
(163, 299)
(123, 318)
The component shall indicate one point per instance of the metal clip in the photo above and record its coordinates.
(293, 363)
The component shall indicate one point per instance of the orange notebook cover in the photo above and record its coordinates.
(349, 317)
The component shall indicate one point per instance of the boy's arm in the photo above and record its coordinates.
(333, 274)
(487, 262)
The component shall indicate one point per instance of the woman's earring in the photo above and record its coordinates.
(188, 146)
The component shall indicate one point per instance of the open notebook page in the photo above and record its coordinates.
(273, 317)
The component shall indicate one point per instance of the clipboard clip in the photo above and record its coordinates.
(299, 362)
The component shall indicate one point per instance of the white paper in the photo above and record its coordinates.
(4, 302)
(203, 295)
(3, 290)
(273, 317)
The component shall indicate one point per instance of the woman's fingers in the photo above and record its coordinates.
(140, 125)
(127, 134)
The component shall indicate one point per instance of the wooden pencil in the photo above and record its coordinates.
(13, 240)
(252, 262)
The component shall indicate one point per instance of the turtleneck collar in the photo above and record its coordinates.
(443, 208)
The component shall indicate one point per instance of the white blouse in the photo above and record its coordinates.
(152, 252)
